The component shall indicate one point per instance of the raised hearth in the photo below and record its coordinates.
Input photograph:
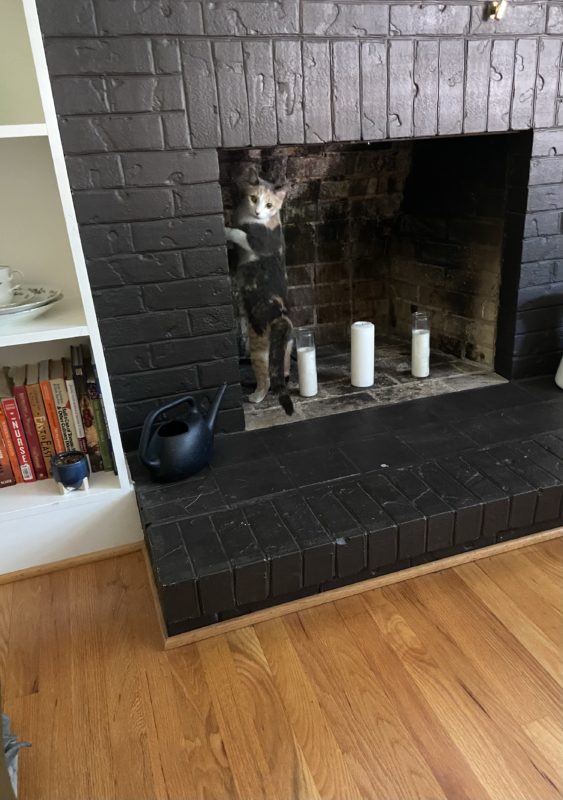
(296, 510)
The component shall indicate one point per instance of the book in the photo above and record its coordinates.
(99, 420)
(17, 374)
(15, 429)
(6, 473)
(9, 445)
(39, 414)
(86, 410)
(74, 406)
(62, 404)
(50, 408)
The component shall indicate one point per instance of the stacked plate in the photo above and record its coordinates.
(28, 302)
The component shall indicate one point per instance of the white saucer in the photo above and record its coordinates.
(9, 320)
(31, 296)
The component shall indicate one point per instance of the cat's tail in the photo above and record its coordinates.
(280, 334)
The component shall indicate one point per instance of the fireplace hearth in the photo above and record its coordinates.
(153, 102)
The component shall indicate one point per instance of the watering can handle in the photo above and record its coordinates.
(151, 419)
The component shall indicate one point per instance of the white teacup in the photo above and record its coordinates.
(7, 285)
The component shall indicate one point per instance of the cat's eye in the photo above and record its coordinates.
(268, 205)
(253, 198)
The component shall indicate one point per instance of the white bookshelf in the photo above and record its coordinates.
(39, 236)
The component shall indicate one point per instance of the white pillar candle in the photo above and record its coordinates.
(559, 374)
(363, 354)
(420, 354)
(307, 371)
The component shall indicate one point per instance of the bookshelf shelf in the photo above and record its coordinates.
(39, 236)
(65, 321)
(20, 131)
(28, 499)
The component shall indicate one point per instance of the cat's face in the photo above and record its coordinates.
(262, 200)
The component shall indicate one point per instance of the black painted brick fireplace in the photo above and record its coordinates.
(147, 92)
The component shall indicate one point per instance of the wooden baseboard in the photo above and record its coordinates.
(75, 561)
(183, 639)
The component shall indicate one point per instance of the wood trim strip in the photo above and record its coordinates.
(183, 639)
(75, 561)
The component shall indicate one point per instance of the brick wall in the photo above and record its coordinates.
(146, 92)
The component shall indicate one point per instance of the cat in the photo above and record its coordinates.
(261, 277)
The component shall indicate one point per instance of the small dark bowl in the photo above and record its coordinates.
(70, 468)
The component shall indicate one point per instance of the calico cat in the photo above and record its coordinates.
(261, 276)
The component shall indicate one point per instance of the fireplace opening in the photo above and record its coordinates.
(376, 232)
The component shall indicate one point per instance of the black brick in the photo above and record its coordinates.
(440, 517)
(550, 487)
(176, 132)
(451, 82)
(94, 172)
(64, 19)
(205, 263)
(80, 95)
(154, 169)
(381, 529)
(118, 302)
(522, 495)
(173, 571)
(98, 56)
(205, 321)
(133, 358)
(106, 240)
(288, 71)
(187, 351)
(286, 565)
(524, 83)
(547, 143)
(217, 372)
(200, 198)
(101, 134)
(413, 19)
(555, 18)
(544, 198)
(426, 78)
(374, 90)
(467, 507)
(496, 503)
(546, 170)
(543, 223)
(178, 233)
(349, 539)
(523, 18)
(548, 82)
(251, 569)
(215, 583)
(166, 56)
(192, 293)
(145, 93)
(201, 93)
(317, 466)
(316, 545)
(346, 90)
(401, 88)
(246, 19)
(129, 17)
(155, 383)
(259, 68)
(151, 268)
(122, 205)
(144, 328)
(500, 86)
(411, 522)
(477, 85)
(343, 19)
(317, 88)
(233, 100)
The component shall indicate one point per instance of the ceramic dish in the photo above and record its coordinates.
(20, 296)
(36, 296)
(8, 320)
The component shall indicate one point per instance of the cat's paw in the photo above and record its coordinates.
(257, 396)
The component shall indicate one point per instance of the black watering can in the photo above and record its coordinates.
(181, 447)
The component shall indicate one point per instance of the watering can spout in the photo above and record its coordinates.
(214, 408)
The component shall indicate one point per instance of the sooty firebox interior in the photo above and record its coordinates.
(376, 232)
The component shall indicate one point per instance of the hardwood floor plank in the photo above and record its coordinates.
(444, 687)
(373, 722)
(446, 760)
(460, 710)
(546, 652)
(311, 729)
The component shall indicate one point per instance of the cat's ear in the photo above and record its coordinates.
(281, 189)
(253, 178)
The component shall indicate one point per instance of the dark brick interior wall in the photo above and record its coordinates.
(146, 92)
(337, 215)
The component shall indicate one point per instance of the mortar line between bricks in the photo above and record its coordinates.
(381, 37)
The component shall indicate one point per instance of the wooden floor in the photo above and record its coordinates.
(446, 687)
